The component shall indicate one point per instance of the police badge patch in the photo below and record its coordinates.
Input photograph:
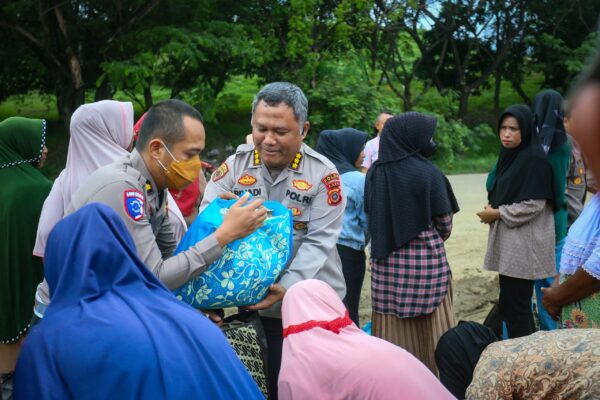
(333, 185)
(133, 201)
(334, 196)
(220, 172)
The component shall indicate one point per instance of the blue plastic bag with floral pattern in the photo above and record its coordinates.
(248, 266)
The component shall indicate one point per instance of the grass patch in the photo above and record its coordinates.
(468, 165)
(31, 105)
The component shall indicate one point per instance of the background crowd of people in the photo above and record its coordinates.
(87, 265)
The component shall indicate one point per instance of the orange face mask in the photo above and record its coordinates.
(181, 173)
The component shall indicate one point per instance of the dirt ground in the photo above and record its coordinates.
(474, 289)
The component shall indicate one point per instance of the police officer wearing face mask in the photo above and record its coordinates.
(167, 155)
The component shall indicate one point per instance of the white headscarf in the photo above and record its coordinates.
(100, 134)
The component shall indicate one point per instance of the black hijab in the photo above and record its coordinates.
(523, 173)
(404, 190)
(457, 354)
(342, 147)
(548, 118)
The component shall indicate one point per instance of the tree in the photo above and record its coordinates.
(560, 34)
(472, 40)
(394, 55)
(343, 97)
(67, 39)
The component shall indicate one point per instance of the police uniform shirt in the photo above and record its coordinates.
(127, 187)
(311, 188)
(576, 186)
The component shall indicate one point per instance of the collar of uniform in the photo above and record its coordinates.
(138, 163)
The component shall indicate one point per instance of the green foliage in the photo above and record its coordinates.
(579, 57)
(351, 57)
(317, 29)
(343, 97)
(559, 36)
(433, 102)
(450, 137)
(482, 141)
(30, 105)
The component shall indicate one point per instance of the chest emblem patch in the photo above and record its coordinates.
(296, 212)
(247, 180)
(300, 226)
(220, 172)
(301, 184)
(133, 201)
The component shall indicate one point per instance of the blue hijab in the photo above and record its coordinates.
(113, 330)
(342, 147)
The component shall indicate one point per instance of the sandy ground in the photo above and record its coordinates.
(474, 289)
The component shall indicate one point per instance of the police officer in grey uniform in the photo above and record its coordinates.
(167, 155)
(279, 166)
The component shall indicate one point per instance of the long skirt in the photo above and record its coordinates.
(417, 335)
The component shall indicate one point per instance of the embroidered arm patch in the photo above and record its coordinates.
(220, 172)
(334, 188)
(133, 201)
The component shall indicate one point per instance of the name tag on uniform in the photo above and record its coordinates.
(300, 198)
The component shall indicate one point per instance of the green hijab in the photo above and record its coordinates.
(24, 190)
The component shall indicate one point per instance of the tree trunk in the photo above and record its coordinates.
(517, 86)
(68, 98)
(463, 105)
(104, 92)
(407, 97)
(497, 92)
(148, 100)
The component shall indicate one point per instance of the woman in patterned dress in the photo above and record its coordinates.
(410, 204)
(558, 365)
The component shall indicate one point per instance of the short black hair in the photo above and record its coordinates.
(164, 120)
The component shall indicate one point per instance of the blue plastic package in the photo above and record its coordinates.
(247, 267)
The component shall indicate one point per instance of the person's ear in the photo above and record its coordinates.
(155, 148)
(305, 129)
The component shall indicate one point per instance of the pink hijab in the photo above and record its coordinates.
(100, 134)
(325, 356)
